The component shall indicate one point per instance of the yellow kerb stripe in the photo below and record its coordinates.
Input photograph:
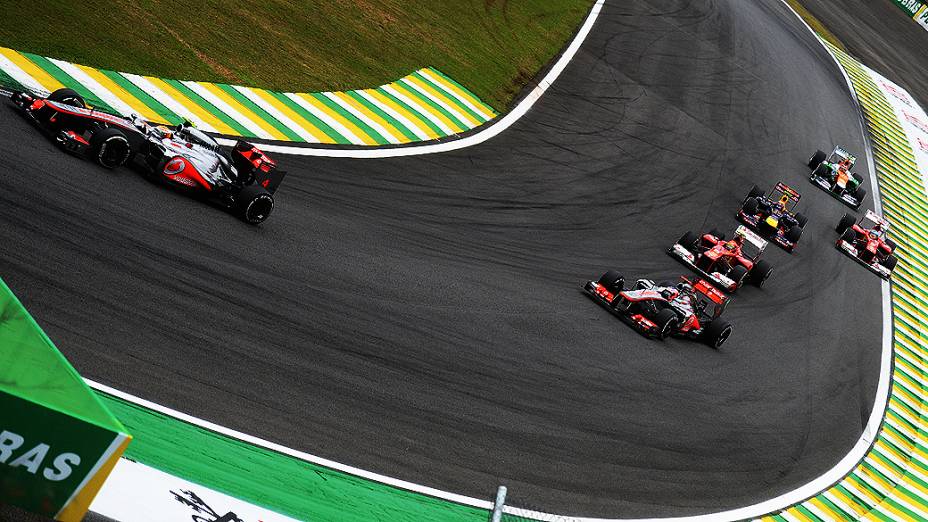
(373, 116)
(358, 131)
(38, 74)
(454, 88)
(445, 99)
(188, 104)
(420, 125)
(297, 119)
(137, 105)
(244, 111)
(418, 104)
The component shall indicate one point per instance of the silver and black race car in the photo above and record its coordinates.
(242, 181)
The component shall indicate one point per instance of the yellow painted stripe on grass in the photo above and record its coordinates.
(421, 125)
(358, 131)
(137, 105)
(372, 116)
(296, 118)
(244, 111)
(38, 74)
(195, 108)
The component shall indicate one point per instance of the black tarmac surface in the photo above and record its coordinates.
(422, 317)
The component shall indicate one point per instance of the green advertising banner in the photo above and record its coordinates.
(57, 440)
(909, 6)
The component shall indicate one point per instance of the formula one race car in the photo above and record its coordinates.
(687, 309)
(866, 242)
(774, 215)
(833, 174)
(728, 264)
(182, 156)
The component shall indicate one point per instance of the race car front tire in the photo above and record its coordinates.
(109, 147)
(613, 281)
(891, 244)
(760, 272)
(801, 218)
(846, 221)
(737, 274)
(666, 321)
(67, 97)
(817, 159)
(794, 233)
(750, 206)
(717, 333)
(254, 204)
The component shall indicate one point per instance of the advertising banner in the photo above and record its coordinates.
(909, 6)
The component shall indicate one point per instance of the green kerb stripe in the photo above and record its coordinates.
(435, 128)
(461, 126)
(460, 106)
(259, 112)
(153, 104)
(475, 99)
(376, 110)
(333, 134)
(350, 117)
(210, 108)
(69, 82)
(8, 82)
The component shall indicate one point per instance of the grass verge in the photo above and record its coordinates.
(493, 47)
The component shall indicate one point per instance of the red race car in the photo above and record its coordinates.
(728, 264)
(687, 309)
(866, 242)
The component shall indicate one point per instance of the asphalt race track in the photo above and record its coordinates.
(422, 317)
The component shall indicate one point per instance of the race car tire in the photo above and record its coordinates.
(860, 195)
(666, 321)
(817, 159)
(846, 221)
(688, 240)
(613, 281)
(760, 272)
(891, 244)
(801, 219)
(718, 234)
(849, 235)
(794, 233)
(67, 97)
(109, 147)
(890, 262)
(822, 171)
(755, 192)
(737, 274)
(717, 333)
(254, 204)
(750, 206)
(858, 178)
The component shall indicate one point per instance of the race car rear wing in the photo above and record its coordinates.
(248, 158)
(875, 218)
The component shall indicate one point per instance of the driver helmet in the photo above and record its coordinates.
(784, 201)
(669, 294)
(138, 122)
(685, 287)
(876, 231)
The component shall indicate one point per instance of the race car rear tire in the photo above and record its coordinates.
(254, 204)
(849, 235)
(760, 272)
(755, 192)
(666, 321)
(801, 218)
(846, 221)
(860, 194)
(613, 281)
(817, 159)
(109, 147)
(737, 274)
(67, 97)
(890, 262)
(717, 333)
(750, 206)
(688, 240)
(794, 233)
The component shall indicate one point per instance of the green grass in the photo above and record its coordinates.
(493, 47)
